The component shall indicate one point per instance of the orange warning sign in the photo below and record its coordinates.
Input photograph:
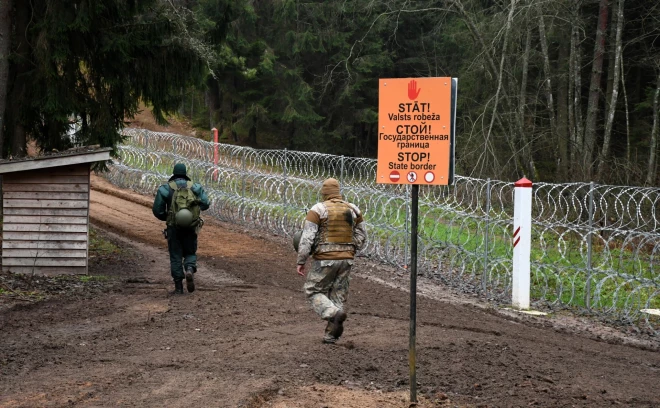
(416, 131)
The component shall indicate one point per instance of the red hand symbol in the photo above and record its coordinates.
(413, 92)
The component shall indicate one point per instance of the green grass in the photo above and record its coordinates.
(93, 278)
(101, 246)
(557, 276)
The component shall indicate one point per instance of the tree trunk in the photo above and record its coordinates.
(214, 100)
(522, 107)
(522, 99)
(5, 40)
(548, 86)
(18, 73)
(501, 70)
(252, 133)
(625, 104)
(489, 53)
(472, 26)
(181, 105)
(370, 144)
(562, 109)
(192, 104)
(653, 146)
(577, 102)
(611, 57)
(572, 122)
(594, 90)
(607, 138)
(359, 136)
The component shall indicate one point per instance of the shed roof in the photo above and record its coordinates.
(87, 154)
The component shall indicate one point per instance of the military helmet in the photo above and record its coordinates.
(296, 239)
(183, 218)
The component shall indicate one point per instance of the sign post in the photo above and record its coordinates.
(416, 144)
(412, 338)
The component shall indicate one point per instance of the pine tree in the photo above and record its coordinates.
(94, 62)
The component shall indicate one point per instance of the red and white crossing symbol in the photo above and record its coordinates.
(429, 177)
(412, 176)
(394, 176)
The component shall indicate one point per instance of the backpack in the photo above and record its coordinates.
(183, 198)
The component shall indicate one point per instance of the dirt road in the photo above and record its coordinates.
(248, 338)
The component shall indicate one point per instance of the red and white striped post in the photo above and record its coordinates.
(215, 153)
(522, 237)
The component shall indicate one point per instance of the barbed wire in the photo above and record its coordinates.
(594, 247)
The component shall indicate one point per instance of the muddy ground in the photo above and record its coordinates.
(247, 338)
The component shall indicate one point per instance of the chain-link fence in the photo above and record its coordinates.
(595, 248)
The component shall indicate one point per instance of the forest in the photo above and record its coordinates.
(556, 90)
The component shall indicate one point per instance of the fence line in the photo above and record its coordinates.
(594, 247)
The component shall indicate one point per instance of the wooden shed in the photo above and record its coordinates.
(45, 228)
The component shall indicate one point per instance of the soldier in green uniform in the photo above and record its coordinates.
(334, 230)
(179, 203)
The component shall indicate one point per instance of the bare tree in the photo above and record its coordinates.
(18, 83)
(501, 70)
(522, 106)
(595, 89)
(575, 118)
(625, 100)
(651, 172)
(563, 104)
(5, 31)
(546, 80)
(607, 138)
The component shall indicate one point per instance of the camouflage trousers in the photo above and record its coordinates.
(327, 286)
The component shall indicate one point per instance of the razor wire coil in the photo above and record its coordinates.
(594, 247)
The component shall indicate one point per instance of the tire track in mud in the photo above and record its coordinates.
(247, 337)
(481, 338)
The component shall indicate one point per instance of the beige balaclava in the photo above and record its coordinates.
(330, 190)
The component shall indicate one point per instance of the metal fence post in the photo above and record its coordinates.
(587, 290)
(341, 174)
(485, 273)
(146, 142)
(285, 175)
(243, 172)
(216, 154)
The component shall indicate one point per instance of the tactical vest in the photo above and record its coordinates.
(336, 231)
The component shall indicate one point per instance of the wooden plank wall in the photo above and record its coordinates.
(46, 229)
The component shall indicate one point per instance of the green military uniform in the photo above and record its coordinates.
(181, 242)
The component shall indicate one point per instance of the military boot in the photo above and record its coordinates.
(178, 287)
(338, 324)
(190, 282)
(328, 338)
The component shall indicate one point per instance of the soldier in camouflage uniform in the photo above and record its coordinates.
(334, 230)
(181, 242)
